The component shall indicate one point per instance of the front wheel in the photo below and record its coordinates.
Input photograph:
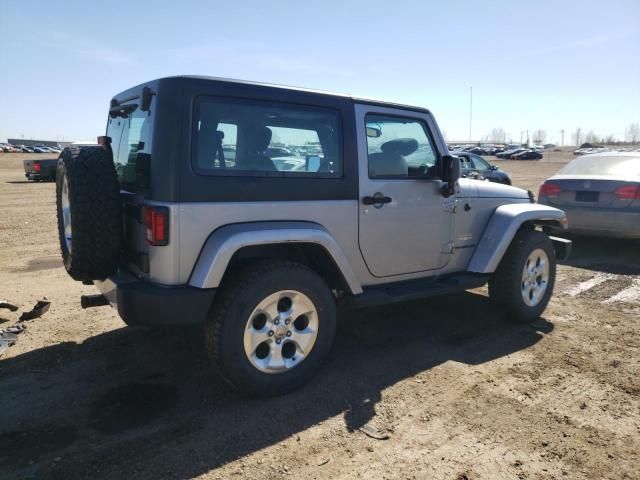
(271, 327)
(523, 282)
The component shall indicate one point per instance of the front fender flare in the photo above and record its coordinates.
(502, 227)
(225, 242)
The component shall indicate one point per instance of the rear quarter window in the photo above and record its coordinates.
(256, 138)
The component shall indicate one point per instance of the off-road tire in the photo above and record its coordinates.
(505, 284)
(235, 301)
(96, 221)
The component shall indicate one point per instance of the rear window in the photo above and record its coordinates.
(619, 166)
(242, 137)
(130, 131)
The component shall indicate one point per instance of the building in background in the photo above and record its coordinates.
(33, 143)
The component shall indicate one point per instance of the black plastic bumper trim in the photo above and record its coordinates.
(144, 303)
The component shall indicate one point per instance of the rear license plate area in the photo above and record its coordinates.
(587, 196)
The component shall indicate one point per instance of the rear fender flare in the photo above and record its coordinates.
(222, 244)
(504, 223)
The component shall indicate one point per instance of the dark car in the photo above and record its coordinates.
(507, 153)
(527, 155)
(477, 150)
(474, 165)
(40, 170)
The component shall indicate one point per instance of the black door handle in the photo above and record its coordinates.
(377, 200)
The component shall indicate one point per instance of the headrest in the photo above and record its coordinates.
(261, 138)
(401, 146)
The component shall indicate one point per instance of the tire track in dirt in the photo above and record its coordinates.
(607, 288)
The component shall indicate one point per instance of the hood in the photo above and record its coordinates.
(497, 190)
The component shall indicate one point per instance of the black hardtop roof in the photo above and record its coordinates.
(135, 91)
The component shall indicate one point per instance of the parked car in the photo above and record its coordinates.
(260, 257)
(40, 170)
(599, 192)
(40, 150)
(527, 155)
(273, 152)
(473, 165)
(507, 153)
(289, 164)
(477, 151)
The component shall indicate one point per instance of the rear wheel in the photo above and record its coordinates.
(523, 282)
(271, 327)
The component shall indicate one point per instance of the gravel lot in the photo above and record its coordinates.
(440, 389)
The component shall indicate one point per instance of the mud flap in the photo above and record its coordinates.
(562, 247)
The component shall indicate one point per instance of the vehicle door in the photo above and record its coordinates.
(405, 224)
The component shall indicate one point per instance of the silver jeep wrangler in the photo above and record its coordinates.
(255, 209)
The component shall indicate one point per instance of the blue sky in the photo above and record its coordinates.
(533, 65)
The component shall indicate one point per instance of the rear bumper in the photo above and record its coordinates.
(39, 176)
(603, 222)
(143, 303)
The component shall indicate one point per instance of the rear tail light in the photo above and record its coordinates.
(37, 167)
(157, 225)
(628, 192)
(550, 190)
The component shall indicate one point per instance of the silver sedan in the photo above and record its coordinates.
(600, 194)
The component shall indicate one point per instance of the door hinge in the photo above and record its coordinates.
(448, 247)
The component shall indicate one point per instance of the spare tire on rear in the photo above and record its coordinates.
(89, 212)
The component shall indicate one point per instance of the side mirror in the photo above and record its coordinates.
(450, 174)
(374, 131)
(493, 167)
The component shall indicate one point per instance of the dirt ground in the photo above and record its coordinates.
(450, 388)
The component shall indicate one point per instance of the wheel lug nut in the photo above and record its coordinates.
(288, 333)
(287, 321)
(276, 321)
(278, 341)
(271, 333)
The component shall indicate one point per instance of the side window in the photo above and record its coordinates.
(479, 163)
(398, 147)
(239, 137)
(465, 163)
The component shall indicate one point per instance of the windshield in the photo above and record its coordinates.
(618, 166)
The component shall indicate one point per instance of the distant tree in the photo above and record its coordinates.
(591, 137)
(497, 135)
(577, 136)
(633, 133)
(539, 136)
(609, 140)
